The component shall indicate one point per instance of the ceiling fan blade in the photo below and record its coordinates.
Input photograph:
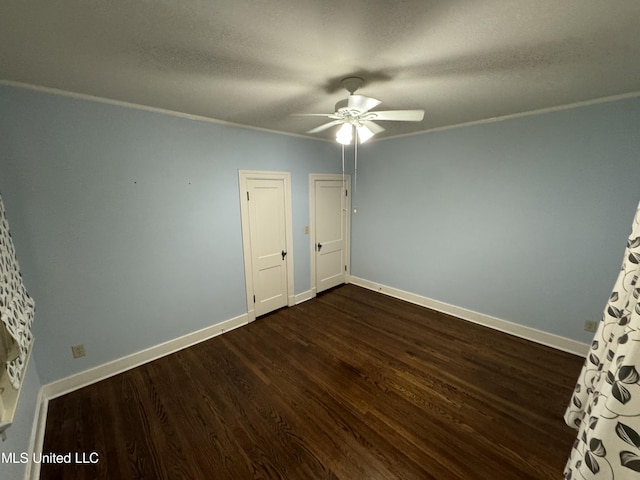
(362, 103)
(374, 127)
(311, 114)
(327, 115)
(324, 126)
(398, 115)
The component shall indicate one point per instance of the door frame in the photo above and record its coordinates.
(243, 177)
(313, 177)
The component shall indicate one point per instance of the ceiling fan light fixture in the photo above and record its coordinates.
(345, 134)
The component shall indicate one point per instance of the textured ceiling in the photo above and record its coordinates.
(256, 62)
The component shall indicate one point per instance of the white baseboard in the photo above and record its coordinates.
(304, 296)
(545, 338)
(32, 472)
(119, 365)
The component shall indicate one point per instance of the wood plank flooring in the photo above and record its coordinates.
(351, 385)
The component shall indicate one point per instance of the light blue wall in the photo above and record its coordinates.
(128, 221)
(525, 219)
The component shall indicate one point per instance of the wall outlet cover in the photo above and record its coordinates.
(590, 326)
(78, 351)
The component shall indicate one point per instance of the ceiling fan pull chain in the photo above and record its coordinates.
(355, 171)
(343, 184)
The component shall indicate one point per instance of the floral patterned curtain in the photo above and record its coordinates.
(605, 405)
(16, 306)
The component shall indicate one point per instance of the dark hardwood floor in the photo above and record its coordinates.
(351, 385)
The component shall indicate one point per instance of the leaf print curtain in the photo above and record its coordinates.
(16, 306)
(605, 405)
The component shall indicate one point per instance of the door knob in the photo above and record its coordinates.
(319, 246)
(284, 254)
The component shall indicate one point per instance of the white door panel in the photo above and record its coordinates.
(330, 233)
(266, 236)
(268, 241)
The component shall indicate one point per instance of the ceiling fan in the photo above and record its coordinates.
(354, 113)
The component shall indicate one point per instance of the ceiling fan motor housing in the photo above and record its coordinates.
(351, 84)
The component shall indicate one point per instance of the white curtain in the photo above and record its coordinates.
(16, 306)
(605, 405)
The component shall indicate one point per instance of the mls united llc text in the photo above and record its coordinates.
(70, 457)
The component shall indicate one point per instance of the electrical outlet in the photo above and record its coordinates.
(306, 230)
(590, 326)
(78, 351)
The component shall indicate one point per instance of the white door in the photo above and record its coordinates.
(268, 265)
(330, 231)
